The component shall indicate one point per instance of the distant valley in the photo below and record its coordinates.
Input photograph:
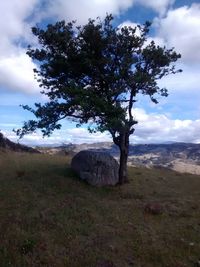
(181, 157)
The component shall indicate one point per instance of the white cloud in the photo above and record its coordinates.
(180, 85)
(16, 68)
(180, 29)
(186, 81)
(74, 135)
(131, 24)
(14, 28)
(16, 73)
(159, 128)
(151, 128)
(81, 10)
(158, 6)
(81, 135)
(13, 14)
(175, 27)
(128, 23)
(158, 40)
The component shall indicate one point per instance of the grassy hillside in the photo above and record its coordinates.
(50, 218)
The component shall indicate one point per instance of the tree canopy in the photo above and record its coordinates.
(92, 74)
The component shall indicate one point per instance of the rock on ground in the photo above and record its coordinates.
(96, 168)
(153, 208)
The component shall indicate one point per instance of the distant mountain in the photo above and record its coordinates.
(180, 150)
(7, 145)
(183, 157)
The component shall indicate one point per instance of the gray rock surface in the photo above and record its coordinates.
(97, 168)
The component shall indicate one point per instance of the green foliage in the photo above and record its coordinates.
(93, 73)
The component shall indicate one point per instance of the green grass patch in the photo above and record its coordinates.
(48, 217)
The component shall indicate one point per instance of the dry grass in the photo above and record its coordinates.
(50, 218)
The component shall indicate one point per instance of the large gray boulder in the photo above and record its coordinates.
(96, 168)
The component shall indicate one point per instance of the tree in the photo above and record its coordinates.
(92, 74)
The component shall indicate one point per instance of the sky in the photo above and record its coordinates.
(175, 23)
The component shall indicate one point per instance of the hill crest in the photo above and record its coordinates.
(6, 144)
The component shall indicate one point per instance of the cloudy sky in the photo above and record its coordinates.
(175, 23)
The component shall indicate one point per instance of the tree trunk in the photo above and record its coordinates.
(124, 149)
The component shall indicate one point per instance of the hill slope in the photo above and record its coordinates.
(50, 218)
(6, 144)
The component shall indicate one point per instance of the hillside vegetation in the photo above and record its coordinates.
(6, 144)
(50, 218)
